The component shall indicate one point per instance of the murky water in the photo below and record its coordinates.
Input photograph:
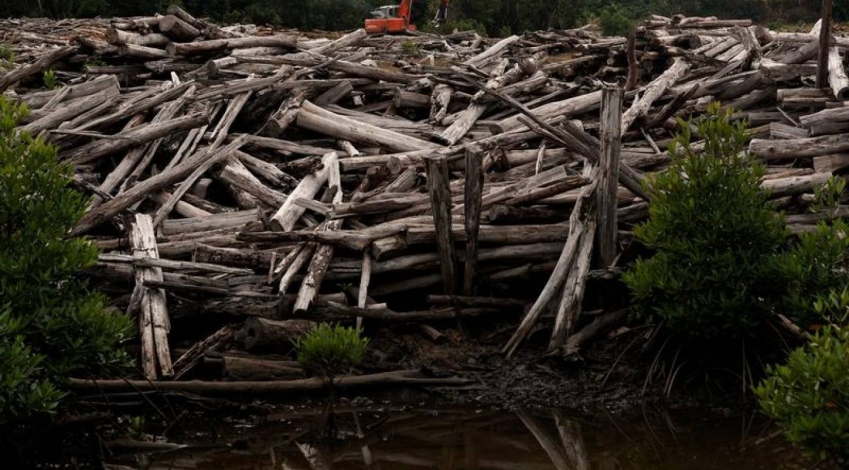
(466, 438)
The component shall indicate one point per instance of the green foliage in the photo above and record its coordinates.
(828, 196)
(50, 81)
(411, 47)
(809, 396)
(6, 53)
(713, 235)
(330, 350)
(7, 57)
(813, 267)
(21, 392)
(94, 63)
(614, 21)
(834, 307)
(53, 325)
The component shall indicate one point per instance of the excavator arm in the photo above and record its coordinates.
(441, 13)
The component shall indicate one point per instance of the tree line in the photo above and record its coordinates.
(492, 17)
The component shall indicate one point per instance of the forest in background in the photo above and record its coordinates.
(493, 17)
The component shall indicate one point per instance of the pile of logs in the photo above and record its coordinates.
(278, 178)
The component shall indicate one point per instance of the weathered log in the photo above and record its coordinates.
(244, 389)
(262, 334)
(653, 91)
(440, 199)
(245, 369)
(177, 29)
(154, 323)
(611, 119)
(837, 79)
(472, 202)
(218, 45)
(41, 64)
(113, 207)
(798, 148)
(287, 216)
(317, 119)
(324, 253)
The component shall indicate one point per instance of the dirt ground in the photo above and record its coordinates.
(608, 375)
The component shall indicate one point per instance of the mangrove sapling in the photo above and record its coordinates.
(327, 352)
(713, 235)
(809, 395)
(51, 325)
(814, 267)
(50, 80)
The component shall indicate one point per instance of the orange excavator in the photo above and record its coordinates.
(395, 19)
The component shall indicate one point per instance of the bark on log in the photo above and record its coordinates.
(473, 192)
(287, 216)
(154, 323)
(177, 29)
(218, 45)
(440, 198)
(41, 64)
(611, 115)
(269, 388)
(261, 334)
(113, 207)
(837, 79)
(653, 91)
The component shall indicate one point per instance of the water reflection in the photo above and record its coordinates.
(477, 439)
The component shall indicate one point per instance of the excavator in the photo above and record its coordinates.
(395, 19)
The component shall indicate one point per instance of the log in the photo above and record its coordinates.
(440, 199)
(113, 207)
(38, 67)
(653, 91)
(316, 119)
(246, 369)
(154, 323)
(472, 201)
(287, 216)
(117, 37)
(576, 230)
(267, 388)
(824, 45)
(219, 45)
(837, 79)
(324, 253)
(262, 334)
(798, 148)
(125, 140)
(142, 52)
(611, 119)
(285, 115)
(177, 29)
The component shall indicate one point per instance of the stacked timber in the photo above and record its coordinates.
(278, 180)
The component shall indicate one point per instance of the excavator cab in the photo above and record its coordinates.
(391, 19)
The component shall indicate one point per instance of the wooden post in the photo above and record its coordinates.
(440, 198)
(611, 132)
(473, 202)
(825, 43)
(154, 323)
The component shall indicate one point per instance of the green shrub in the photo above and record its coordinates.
(331, 350)
(6, 53)
(809, 396)
(50, 81)
(811, 268)
(713, 235)
(53, 326)
(411, 47)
